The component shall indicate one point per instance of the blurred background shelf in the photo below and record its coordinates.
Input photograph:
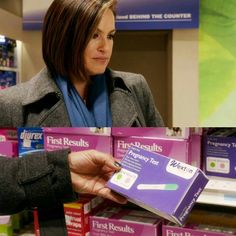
(4, 68)
(219, 191)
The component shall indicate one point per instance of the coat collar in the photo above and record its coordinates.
(123, 108)
(39, 87)
(122, 102)
(42, 91)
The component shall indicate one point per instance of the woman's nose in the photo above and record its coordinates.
(104, 45)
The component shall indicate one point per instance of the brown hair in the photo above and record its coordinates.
(68, 27)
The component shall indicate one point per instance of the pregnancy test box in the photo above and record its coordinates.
(183, 144)
(204, 223)
(78, 139)
(164, 186)
(197, 230)
(123, 223)
(161, 132)
(219, 154)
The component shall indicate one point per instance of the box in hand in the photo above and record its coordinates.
(159, 184)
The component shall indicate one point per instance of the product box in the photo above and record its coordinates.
(77, 217)
(197, 230)
(204, 223)
(30, 140)
(78, 139)
(6, 226)
(8, 142)
(183, 145)
(219, 156)
(160, 132)
(8, 149)
(7, 78)
(122, 222)
(8, 134)
(162, 185)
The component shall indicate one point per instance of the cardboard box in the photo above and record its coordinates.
(160, 132)
(78, 139)
(196, 230)
(8, 134)
(165, 186)
(8, 149)
(123, 222)
(8, 142)
(77, 217)
(204, 223)
(30, 140)
(184, 146)
(219, 156)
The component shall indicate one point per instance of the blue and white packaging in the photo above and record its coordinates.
(30, 140)
(164, 186)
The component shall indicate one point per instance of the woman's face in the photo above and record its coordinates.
(99, 49)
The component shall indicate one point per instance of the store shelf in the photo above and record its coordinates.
(219, 191)
(4, 68)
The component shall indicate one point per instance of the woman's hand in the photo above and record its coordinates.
(90, 171)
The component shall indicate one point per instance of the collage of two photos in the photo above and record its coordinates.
(111, 117)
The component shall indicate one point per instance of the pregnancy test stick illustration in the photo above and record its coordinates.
(157, 186)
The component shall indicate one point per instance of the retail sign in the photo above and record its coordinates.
(131, 14)
(33, 13)
(157, 14)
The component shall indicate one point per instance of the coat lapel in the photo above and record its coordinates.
(43, 93)
(56, 116)
(123, 109)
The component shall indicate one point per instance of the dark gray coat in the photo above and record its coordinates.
(42, 180)
(39, 102)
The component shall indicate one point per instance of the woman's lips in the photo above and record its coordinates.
(101, 59)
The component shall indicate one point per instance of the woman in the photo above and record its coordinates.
(77, 88)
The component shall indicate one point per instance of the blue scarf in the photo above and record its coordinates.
(97, 114)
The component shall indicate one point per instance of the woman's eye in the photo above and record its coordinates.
(95, 36)
(111, 36)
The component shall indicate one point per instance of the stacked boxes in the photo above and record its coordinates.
(79, 139)
(177, 189)
(182, 144)
(77, 214)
